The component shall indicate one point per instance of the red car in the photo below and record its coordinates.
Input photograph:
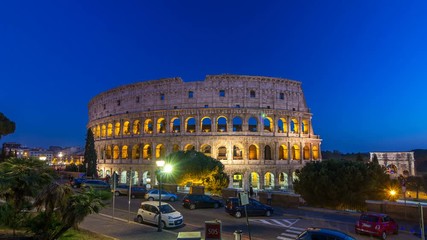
(376, 224)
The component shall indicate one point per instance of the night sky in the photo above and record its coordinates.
(362, 64)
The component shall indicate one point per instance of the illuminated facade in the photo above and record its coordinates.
(260, 128)
(396, 163)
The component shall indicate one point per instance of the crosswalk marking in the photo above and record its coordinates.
(277, 222)
(290, 233)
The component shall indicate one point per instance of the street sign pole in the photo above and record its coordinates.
(244, 200)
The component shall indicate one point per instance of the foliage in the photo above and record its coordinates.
(198, 169)
(74, 168)
(341, 184)
(415, 183)
(90, 154)
(6, 126)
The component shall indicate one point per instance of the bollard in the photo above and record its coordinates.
(238, 235)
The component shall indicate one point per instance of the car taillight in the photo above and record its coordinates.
(186, 200)
(377, 227)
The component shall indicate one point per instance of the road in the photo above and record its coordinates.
(284, 224)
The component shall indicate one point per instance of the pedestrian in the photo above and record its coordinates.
(251, 191)
(269, 197)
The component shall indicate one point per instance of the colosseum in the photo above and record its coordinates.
(260, 128)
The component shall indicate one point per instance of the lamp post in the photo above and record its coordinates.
(166, 169)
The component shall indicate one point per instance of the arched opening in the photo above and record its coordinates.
(253, 124)
(254, 180)
(282, 126)
(123, 177)
(253, 152)
(237, 124)
(160, 151)
(222, 153)
(283, 152)
(146, 152)
(295, 175)
(252, 94)
(283, 180)
(206, 149)
(268, 124)
(206, 124)
(135, 151)
(269, 180)
(136, 127)
(267, 152)
(146, 178)
(190, 125)
(294, 125)
(126, 130)
(175, 148)
(315, 151)
(237, 180)
(125, 152)
(391, 169)
(148, 126)
(134, 177)
(98, 131)
(237, 153)
(305, 126)
(189, 147)
(221, 124)
(116, 152)
(161, 125)
(101, 173)
(103, 131)
(306, 152)
(108, 152)
(176, 125)
(109, 130)
(296, 154)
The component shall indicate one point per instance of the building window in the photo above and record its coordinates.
(105, 106)
(282, 96)
(137, 99)
(206, 106)
(162, 96)
(222, 93)
(190, 94)
(237, 106)
(118, 102)
(252, 93)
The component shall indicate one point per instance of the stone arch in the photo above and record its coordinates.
(123, 177)
(237, 180)
(190, 124)
(237, 152)
(206, 149)
(268, 124)
(124, 152)
(126, 128)
(254, 180)
(98, 131)
(282, 125)
(253, 124)
(160, 151)
(283, 152)
(267, 152)
(283, 180)
(294, 175)
(136, 127)
(161, 125)
(392, 169)
(294, 125)
(206, 124)
(117, 129)
(237, 124)
(306, 152)
(175, 148)
(108, 152)
(134, 177)
(146, 178)
(305, 126)
(269, 180)
(315, 152)
(189, 147)
(296, 153)
(116, 152)
(176, 125)
(146, 152)
(222, 153)
(109, 130)
(253, 152)
(103, 130)
(148, 126)
(135, 151)
(221, 124)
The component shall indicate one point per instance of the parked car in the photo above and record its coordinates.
(193, 201)
(136, 191)
(376, 224)
(77, 182)
(95, 184)
(254, 208)
(153, 194)
(149, 212)
(323, 233)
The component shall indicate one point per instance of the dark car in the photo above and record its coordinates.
(254, 208)
(96, 184)
(193, 201)
(136, 191)
(324, 233)
(376, 224)
(77, 182)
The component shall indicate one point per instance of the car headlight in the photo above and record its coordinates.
(170, 217)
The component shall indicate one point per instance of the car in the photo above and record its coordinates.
(136, 191)
(95, 184)
(77, 182)
(153, 194)
(376, 224)
(149, 212)
(323, 233)
(254, 208)
(193, 201)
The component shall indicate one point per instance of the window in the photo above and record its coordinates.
(206, 106)
(162, 96)
(252, 93)
(222, 93)
(137, 99)
(105, 106)
(282, 96)
(118, 102)
(190, 94)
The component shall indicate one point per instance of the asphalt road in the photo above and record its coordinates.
(284, 224)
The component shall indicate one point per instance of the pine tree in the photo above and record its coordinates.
(90, 154)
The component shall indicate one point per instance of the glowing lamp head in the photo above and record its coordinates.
(160, 163)
(167, 168)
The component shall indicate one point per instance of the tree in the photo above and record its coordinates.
(90, 154)
(6, 126)
(191, 167)
(414, 183)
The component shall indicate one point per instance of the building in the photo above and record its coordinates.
(260, 128)
(396, 163)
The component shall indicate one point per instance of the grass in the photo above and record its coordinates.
(71, 234)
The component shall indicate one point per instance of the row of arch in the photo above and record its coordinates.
(238, 152)
(253, 124)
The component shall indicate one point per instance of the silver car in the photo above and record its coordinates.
(153, 194)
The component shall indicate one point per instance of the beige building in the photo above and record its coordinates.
(260, 128)
(396, 163)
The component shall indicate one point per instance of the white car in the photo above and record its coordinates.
(149, 212)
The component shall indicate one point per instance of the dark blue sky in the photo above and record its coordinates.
(363, 64)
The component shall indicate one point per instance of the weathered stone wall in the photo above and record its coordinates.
(408, 211)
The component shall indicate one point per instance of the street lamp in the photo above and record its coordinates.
(166, 168)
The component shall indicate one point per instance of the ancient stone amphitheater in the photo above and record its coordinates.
(260, 128)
